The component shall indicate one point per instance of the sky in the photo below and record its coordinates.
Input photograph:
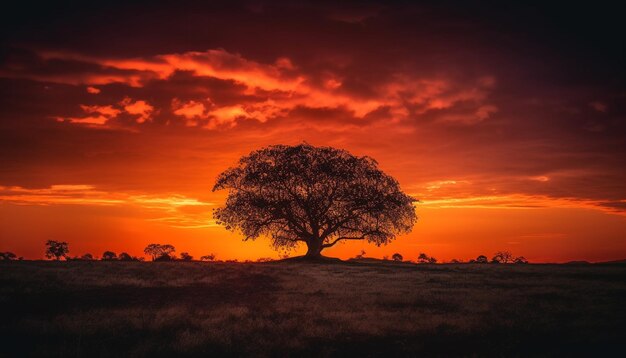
(507, 122)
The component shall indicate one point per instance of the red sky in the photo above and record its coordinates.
(507, 123)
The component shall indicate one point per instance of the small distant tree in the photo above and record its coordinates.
(425, 259)
(166, 257)
(502, 257)
(455, 261)
(520, 260)
(124, 256)
(109, 256)
(7, 256)
(56, 249)
(87, 257)
(481, 259)
(209, 257)
(360, 256)
(396, 257)
(264, 259)
(185, 256)
(158, 251)
(154, 250)
(386, 257)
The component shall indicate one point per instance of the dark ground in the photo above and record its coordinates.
(291, 308)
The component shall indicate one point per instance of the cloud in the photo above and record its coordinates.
(172, 210)
(599, 106)
(191, 111)
(100, 115)
(267, 90)
(96, 115)
(523, 201)
(140, 108)
(484, 112)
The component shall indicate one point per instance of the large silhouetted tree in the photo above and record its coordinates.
(313, 195)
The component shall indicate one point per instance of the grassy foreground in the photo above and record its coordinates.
(266, 309)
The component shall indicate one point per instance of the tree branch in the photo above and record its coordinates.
(324, 246)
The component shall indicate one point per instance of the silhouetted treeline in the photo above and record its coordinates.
(157, 252)
(58, 250)
(500, 257)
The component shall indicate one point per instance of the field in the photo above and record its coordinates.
(267, 309)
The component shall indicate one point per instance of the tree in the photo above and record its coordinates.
(423, 258)
(482, 259)
(87, 257)
(360, 255)
(396, 257)
(56, 249)
(318, 196)
(503, 257)
(455, 261)
(432, 260)
(109, 256)
(157, 251)
(209, 257)
(124, 256)
(520, 260)
(185, 256)
(7, 256)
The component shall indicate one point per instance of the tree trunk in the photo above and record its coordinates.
(314, 248)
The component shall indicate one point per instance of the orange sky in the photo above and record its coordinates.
(112, 141)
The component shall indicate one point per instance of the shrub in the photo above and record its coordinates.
(185, 256)
(7, 256)
(209, 257)
(109, 256)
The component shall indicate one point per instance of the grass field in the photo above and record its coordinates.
(266, 309)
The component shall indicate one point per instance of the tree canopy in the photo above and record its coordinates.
(158, 251)
(397, 257)
(313, 195)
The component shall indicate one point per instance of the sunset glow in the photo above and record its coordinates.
(112, 141)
